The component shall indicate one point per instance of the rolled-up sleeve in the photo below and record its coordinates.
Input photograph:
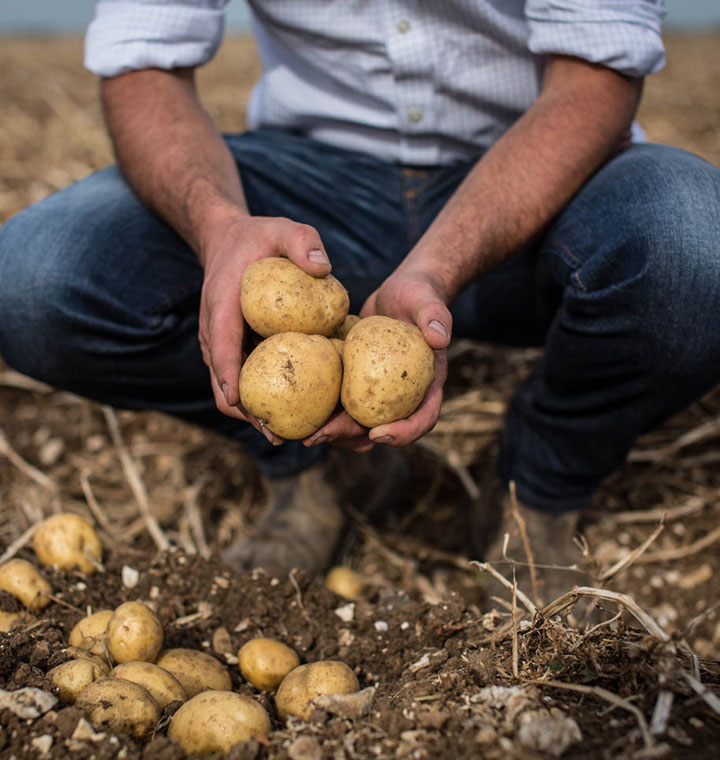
(127, 35)
(621, 34)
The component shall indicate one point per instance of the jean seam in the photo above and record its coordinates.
(576, 274)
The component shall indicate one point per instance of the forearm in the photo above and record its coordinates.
(581, 119)
(171, 153)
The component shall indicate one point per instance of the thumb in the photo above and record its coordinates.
(302, 245)
(435, 321)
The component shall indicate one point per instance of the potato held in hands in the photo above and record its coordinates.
(291, 383)
(278, 296)
(388, 370)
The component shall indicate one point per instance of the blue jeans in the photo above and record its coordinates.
(100, 297)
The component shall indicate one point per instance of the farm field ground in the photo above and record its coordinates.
(454, 676)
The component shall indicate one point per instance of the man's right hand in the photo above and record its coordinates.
(226, 252)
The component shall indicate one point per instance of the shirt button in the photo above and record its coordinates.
(415, 114)
(403, 25)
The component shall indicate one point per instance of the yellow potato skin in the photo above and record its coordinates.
(291, 383)
(348, 323)
(301, 685)
(85, 654)
(216, 720)
(10, 620)
(345, 582)
(72, 677)
(89, 633)
(119, 706)
(265, 662)
(162, 685)
(277, 296)
(67, 541)
(23, 580)
(388, 368)
(134, 633)
(196, 671)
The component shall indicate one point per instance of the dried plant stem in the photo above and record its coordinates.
(193, 516)
(25, 467)
(689, 507)
(18, 543)
(683, 551)
(95, 509)
(661, 712)
(488, 568)
(12, 379)
(702, 691)
(135, 481)
(625, 562)
(522, 527)
(453, 461)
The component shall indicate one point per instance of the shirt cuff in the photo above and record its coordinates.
(619, 34)
(127, 36)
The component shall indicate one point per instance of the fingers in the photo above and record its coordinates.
(423, 419)
(435, 321)
(302, 245)
(339, 427)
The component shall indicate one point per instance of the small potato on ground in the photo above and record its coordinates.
(277, 296)
(216, 720)
(89, 633)
(388, 368)
(345, 582)
(119, 706)
(265, 662)
(72, 677)
(76, 653)
(196, 671)
(23, 580)
(303, 684)
(10, 620)
(134, 632)
(162, 685)
(291, 383)
(67, 541)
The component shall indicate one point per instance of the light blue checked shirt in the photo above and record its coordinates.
(420, 83)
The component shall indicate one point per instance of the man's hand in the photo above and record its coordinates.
(226, 255)
(411, 297)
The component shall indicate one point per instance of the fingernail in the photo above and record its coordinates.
(224, 388)
(383, 439)
(439, 327)
(267, 434)
(317, 256)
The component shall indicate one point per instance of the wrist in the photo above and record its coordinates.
(219, 223)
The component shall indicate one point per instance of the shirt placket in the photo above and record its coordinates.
(412, 55)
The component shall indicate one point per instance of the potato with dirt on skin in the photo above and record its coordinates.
(76, 653)
(291, 383)
(66, 541)
(196, 671)
(388, 368)
(216, 720)
(348, 323)
(119, 706)
(134, 632)
(162, 685)
(89, 633)
(70, 678)
(345, 582)
(10, 620)
(23, 580)
(277, 296)
(265, 662)
(301, 685)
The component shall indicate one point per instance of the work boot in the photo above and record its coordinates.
(307, 516)
(558, 561)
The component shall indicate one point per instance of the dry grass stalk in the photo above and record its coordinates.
(25, 467)
(194, 519)
(522, 527)
(93, 506)
(661, 712)
(628, 560)
(683, 551)
(19, 543)
(488, 568)
(135, 481)
(703, 432)
(11, 379)
(703, 692)
(689, 507)
(453, 461)
(607, 696)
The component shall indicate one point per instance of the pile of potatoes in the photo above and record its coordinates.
(130, 697)
(315, 354)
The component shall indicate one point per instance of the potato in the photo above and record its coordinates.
(291, 383)
(119, 706)
(10, 620)
(345, 582)
(339, 345)
(265, 662)
(85, 654)
(134, 633)
(22, 579)
(72, 677)
(216, 720)
(277, 296)
(302, 685)
(388, 368)
(195, 670)
(348, 323)
(68, 541)
(89, 633)
(163, 686)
